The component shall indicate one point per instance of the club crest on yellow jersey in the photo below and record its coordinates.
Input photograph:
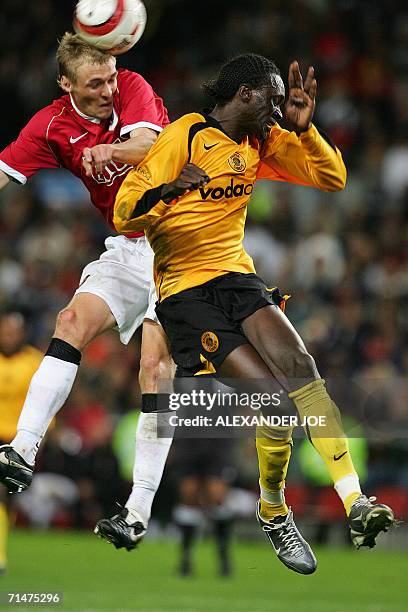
(237, 162)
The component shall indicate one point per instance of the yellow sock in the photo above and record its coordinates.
(274, 447)
(3, 535)
(269, 511)
(349, 501)
(329, 439)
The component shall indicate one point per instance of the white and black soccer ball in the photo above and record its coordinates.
(110, 25)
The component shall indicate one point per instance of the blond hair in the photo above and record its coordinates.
(72, 52)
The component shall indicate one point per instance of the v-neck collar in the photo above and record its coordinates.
(212, 122)
(81, 114)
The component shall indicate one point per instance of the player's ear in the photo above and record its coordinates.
(245, 93)
(65, 84)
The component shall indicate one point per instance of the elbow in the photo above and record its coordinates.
(150, 140)
(341, 181)
(337, 182)
(144, 147)
(340, 184)
(127, 227)
(121, 225)
(122, 217)
(337, 185)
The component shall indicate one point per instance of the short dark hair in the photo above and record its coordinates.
(248, 68)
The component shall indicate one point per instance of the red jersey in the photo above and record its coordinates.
(57, 135)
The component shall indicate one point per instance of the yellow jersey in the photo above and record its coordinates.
(199, 237)
(16, 372)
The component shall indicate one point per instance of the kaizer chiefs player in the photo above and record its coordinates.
(18, 362)
(190, 196)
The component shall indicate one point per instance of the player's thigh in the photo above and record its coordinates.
(84, 318)
(246, 371)
(122, 278)
(245, 363)
(280, 346)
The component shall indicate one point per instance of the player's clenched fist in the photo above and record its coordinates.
(191, 177)
(96, 158)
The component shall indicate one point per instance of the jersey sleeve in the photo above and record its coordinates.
(309, 159)
(30, 151)
(140, 106)
(138, 201)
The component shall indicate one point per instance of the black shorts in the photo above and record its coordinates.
(203, 324)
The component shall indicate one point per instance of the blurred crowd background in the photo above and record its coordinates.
(343, 257)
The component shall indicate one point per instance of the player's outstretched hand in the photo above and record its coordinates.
(95, 159)
(300, 105)
(191, 177)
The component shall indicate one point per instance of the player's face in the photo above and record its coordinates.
(265, 107)
(94, 88)
(12, 334)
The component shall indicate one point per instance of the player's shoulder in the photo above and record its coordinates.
(277, 140)
(277, 131)
(185, 122)
(180, 129)
(31, 353)
(42, 118)
(27, 355)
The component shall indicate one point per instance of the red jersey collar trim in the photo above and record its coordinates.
(92, 123)
(81, 114)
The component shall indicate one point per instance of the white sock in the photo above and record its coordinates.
(150, 459)
(347, 485)
(49, 388)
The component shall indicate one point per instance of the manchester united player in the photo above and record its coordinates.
(212, 305)
(106, 121)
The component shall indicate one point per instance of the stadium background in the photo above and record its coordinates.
(344, 258)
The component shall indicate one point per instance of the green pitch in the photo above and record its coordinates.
(95, 576)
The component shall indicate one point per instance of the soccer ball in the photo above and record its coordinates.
(110, 25)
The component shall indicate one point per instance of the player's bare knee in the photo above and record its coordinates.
(69, 328)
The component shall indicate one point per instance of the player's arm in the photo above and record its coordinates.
(132, 151)
(142, 116)
(136, 207)
(4, 179)
(165, 174)
(30, 152)
(308, 159)
(302, 156)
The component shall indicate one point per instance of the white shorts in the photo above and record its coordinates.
(123, 278)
